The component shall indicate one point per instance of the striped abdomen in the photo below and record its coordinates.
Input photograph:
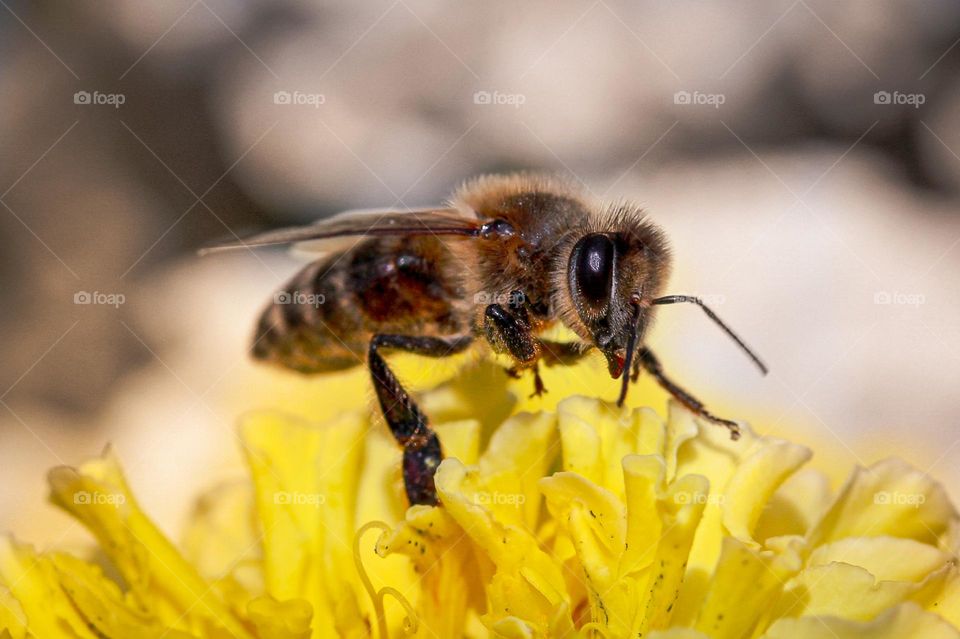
(323, 318)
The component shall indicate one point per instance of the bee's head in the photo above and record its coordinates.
(612, 276)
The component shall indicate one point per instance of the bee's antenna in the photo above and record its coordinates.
(677, 299)
(628, 361)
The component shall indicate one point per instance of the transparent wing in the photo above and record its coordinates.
(370, 222)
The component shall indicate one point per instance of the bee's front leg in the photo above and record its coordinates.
(652, 365)
(421, 447)
(510, 332)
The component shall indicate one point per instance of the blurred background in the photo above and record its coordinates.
(801, 154)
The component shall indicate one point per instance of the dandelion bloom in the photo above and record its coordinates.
(581, 521)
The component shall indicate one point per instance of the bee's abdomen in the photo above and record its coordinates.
(323, 318)
(299, 328)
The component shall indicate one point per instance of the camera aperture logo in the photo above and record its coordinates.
(98, 98)
(698, 98)
(499, 98)
(96, 498)
(300, 298)
(97, 298)
(295, 498)
(899, 99)
(299, 98)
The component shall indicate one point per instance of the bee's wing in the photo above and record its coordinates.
(370, 222)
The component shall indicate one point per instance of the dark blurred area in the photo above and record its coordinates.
(133, 133)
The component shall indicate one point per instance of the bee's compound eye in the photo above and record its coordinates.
(592, 268)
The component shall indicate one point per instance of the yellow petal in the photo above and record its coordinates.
(644, 482)
(886, 558)
(946, 603)
(682, 427)
(305, 478)
(32, 582)
(596, 522)
(682, 515)
(220, 540)
(519, 454)
(479, 392)
(163, 582)
(739, 491)
(903, 622)
(757, 477)
(512, 628)
(796, 506)
(381, 482)
(281, 619)
(450, 575)
(103, 606)
(13, 620)
(527, 583)
(746, 582)
(678, 633)
(596, 436)
(850, 592)
(889, 498)
(461, 439)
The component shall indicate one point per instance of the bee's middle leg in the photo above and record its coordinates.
(421, 447)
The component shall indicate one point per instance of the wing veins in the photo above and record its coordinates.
(397, 223)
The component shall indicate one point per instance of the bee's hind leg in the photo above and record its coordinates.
(421, 447)
(652, 365)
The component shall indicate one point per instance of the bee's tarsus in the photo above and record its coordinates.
(652, 365)
(538, 388)
(513, 372)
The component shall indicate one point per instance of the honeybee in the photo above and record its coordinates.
(533, 249)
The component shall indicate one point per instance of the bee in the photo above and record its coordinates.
(507, 258)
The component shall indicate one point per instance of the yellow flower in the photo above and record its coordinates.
(579, 521)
